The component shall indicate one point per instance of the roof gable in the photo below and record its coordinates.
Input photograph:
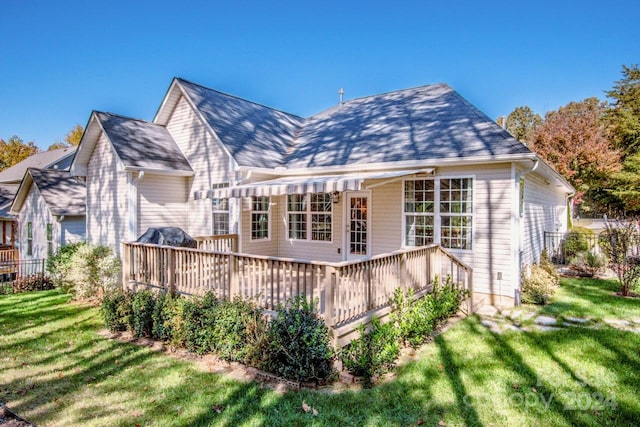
(63, 193)
(53, 159)
(138, 144)
(253, 134)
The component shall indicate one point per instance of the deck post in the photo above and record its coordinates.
(233, 276)
(329, 294)
(126, 268)
(171, 271)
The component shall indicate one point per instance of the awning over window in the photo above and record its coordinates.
(311, 184)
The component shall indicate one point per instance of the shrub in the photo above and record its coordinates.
(174, 327)
(232, 335)
(576, 241)
(374, 353)
(116, 310)
(199, 319)
(619, 241)
(33, 282)
(142, 308)
(416, 320)
(588, 263)
(93, 271)
(299, 346)
(548, 266)
(538, 285)
(59, 264)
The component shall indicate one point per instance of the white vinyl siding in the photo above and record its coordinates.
(161, 202)
(34, 211)
(107, 196)
(210, 163)
(386, 218)
(544, 210)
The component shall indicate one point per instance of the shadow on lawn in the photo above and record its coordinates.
(173, 392)
(593, 298)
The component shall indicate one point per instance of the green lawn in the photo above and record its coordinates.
(55, 369)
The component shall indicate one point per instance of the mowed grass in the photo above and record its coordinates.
(592, 298)
(56, 370)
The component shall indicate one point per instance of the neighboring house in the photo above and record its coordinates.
(59, 159)
(50, 206)
(367, 177)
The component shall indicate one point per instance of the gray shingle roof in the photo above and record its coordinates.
(64, 194)
(57, 159)
(255, 135)
(141, 144)
(428, 122)
(7, 193)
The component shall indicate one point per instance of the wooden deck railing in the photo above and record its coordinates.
(8, 260)
(220, 243)
(345, 290)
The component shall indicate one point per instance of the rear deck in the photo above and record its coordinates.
(348, 293)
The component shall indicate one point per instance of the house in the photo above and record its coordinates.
(50, 207)
(367, 177)
(59, 159)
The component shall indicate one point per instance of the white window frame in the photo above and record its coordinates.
(254, 212)
(49, 235)
(215, 211)
(308, 214)
(29, 238)
(449, 214)
(405, 214)
(437, 215)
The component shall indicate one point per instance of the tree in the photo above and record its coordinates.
(14, 151)
(574, 140)
(72, 139)
(620, 242)
(624, 116)
(522, 123)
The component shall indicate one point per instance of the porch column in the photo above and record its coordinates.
(133, 179)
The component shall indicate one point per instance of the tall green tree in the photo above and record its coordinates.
(574, 140)
(624, 115)
(14, 150)
(522, 123)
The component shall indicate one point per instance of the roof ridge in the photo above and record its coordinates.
(121, 116)
(361, 98)
(239, 98)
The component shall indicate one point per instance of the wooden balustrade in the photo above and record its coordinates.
(220, 243)
(344, 290)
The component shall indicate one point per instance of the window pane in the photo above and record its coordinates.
(419, 196)
(456, 232)
(298, 226)
(260, 218)
(260, 203)
(419, 230)
(321, 227)
(297, 202)
(321, 202)
(220, 223)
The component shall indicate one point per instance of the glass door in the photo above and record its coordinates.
(357, 225)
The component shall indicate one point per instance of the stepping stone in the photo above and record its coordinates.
(511, 327)
(487, 310)
(488, 323)
(546, 321)
(580, 320)
(617, 323)
(636, 320)
(505, 313)
(528, 315)
(514, 314)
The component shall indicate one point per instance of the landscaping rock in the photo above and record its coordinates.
(546, 321)
(546, 328)
(487, 310)
(617, 323)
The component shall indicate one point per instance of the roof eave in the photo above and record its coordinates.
(21, 194)
(158, 171)
(435, 162)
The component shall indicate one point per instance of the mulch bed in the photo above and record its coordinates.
(9, 419)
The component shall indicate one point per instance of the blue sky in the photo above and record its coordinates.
(59, 60)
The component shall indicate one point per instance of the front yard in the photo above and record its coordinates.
(56, 369)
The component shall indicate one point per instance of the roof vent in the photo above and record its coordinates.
(341, 93)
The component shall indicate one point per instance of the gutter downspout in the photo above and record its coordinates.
(132, 229)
